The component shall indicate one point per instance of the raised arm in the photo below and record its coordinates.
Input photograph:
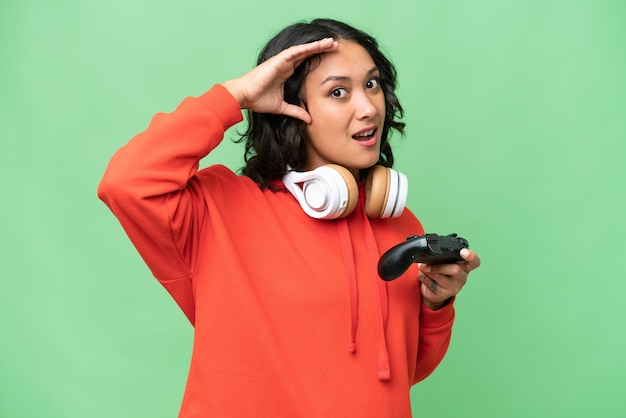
(150, 183)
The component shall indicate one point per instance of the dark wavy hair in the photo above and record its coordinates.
(274, 142)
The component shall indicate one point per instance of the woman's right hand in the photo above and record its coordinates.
(262, 89)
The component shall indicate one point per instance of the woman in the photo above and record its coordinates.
(290, 318)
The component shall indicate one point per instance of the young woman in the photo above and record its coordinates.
(290, 316)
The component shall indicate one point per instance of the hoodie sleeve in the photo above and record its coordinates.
(149, 185)
(434, 339)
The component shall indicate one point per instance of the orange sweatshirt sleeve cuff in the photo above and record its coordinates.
(223, 105)
(438, 318)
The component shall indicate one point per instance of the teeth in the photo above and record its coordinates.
(368, 133)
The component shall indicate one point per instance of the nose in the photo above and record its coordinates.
(364, 105)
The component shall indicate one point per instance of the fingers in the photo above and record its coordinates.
(446, 282)
(432, 285)
(295, 112)
(472, 261)
(442, 269)
(298, 53)
(433, 295)
(442, 281)
(261, 89)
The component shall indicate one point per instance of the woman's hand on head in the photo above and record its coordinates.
(440, 282)
(262, 89)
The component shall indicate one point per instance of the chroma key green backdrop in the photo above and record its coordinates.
(516, 140)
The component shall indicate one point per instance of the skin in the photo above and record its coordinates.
(343, 98)
(346, 103)
(441, 282)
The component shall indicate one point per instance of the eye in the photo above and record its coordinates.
(339, 92)
(373, 83)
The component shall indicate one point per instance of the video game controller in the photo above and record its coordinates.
(427, 249)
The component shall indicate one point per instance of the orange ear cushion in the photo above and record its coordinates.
(377, 191)
(353, 190)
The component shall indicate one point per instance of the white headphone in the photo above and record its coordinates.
(330, 191)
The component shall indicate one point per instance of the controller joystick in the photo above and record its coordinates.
(428, 249)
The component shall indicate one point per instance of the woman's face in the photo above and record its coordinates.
(347, 108)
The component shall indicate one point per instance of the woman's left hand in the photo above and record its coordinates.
(440, 282)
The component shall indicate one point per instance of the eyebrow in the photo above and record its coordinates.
(346, 78)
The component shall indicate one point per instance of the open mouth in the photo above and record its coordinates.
(365, 135)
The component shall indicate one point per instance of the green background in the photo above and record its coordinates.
(516, 140)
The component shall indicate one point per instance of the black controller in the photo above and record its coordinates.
(427, 249)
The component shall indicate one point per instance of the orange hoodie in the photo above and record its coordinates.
(290, 317)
